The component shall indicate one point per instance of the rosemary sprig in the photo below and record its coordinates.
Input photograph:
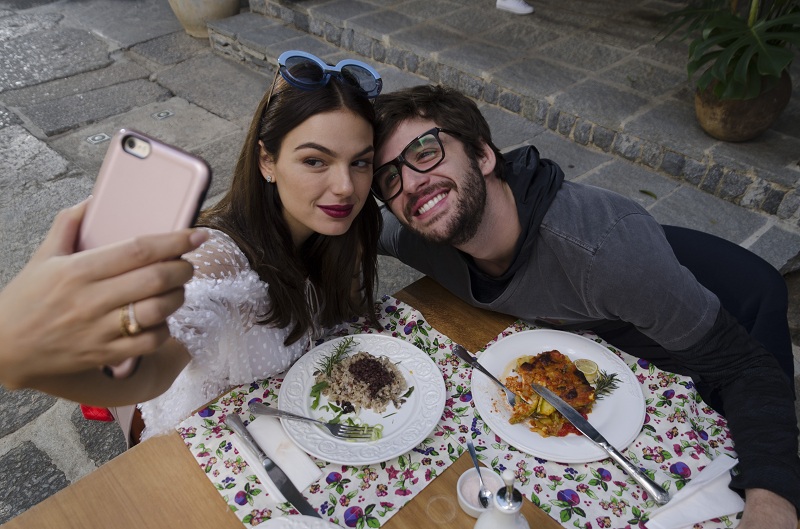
(605, 384)
(326, 363)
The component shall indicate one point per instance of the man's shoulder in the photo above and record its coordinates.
(586, 214)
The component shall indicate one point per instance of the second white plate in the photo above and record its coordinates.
(403, 428)
(618, 416)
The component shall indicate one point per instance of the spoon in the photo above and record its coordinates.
(484, 494)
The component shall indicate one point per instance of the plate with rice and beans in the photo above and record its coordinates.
(365, 380)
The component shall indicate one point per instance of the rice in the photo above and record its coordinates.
(365, 381)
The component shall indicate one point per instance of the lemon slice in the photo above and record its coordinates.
(588, 368)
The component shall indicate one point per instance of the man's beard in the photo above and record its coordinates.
(469, 213)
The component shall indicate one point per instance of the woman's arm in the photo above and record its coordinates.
(61, 314)
(155, 374)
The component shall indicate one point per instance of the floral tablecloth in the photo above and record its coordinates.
(680, 436)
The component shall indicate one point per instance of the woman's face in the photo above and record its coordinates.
(323, 173)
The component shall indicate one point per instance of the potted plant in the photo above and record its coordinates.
(744, 51)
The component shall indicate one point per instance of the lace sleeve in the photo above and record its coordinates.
(218, 325)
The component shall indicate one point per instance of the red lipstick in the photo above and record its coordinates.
(337, 211)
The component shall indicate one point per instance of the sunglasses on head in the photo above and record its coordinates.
(308, 72)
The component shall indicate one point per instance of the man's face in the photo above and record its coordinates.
(446, 204)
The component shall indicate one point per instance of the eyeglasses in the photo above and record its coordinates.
(422, 154)
(308, 72)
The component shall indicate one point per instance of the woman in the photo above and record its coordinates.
(291, 249)
(292, 244)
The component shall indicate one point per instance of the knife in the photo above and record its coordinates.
(277, 475)
(571, 414)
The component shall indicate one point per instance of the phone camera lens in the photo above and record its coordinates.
(131, 143)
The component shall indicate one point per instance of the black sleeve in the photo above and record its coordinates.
(758, 402)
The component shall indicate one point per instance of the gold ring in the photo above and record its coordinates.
(127, 321)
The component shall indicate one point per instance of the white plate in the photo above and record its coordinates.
(618, 416)
(298, 521)
(403, 428)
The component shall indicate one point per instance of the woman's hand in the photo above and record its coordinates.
(61, 313)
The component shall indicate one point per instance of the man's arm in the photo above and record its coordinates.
(766, 509)
(665, 302)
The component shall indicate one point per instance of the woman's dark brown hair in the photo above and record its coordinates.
(252, 214)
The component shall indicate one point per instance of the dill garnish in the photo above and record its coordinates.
(605, 384)
(326, 363)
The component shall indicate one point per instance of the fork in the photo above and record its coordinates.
(462, 353)
(342, 431)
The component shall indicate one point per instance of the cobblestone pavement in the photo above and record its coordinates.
(582, 80)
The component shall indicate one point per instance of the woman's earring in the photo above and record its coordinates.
(269, 179)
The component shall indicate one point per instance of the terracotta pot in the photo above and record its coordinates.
(193, 14)
(741, 119)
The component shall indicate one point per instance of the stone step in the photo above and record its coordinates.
(595, 74)
(703, 194)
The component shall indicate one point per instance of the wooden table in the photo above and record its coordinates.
(158, 483)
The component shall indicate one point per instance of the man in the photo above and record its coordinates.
(512, 236)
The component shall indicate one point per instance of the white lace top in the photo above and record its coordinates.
(217, 324)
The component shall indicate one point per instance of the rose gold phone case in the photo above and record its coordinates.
(135, 196)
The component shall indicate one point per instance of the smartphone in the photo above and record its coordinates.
(144, 187)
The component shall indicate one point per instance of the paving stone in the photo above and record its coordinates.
(16, 26)
(478, 58)
(629, 29)
(60, 115)
(394, 80)
(427, 10)
(789, 121)
(580, 52)
(779, 247)
(562, 22)
(41, 479)
(474, 20)
(124, 23)
(24, 4)
(189, 127)
(243, 23)
(692, 208)
(14, 258)
(644, 76)
(393, 275)
(424, 37)
(536, 77)
(262, 39)
(574, 159)
(771, 152)
(222, 155)
(118, 72)
(211, 82)
(25, 159)
(379, 24)
(103, 441)
(609, 106)
(518, 37)
(47, 55)
(20, 407)
(26, 214)
(342, 10)
(171, 48)
(632, 181)
(672, 126)
(509, 129)
(8, 118)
